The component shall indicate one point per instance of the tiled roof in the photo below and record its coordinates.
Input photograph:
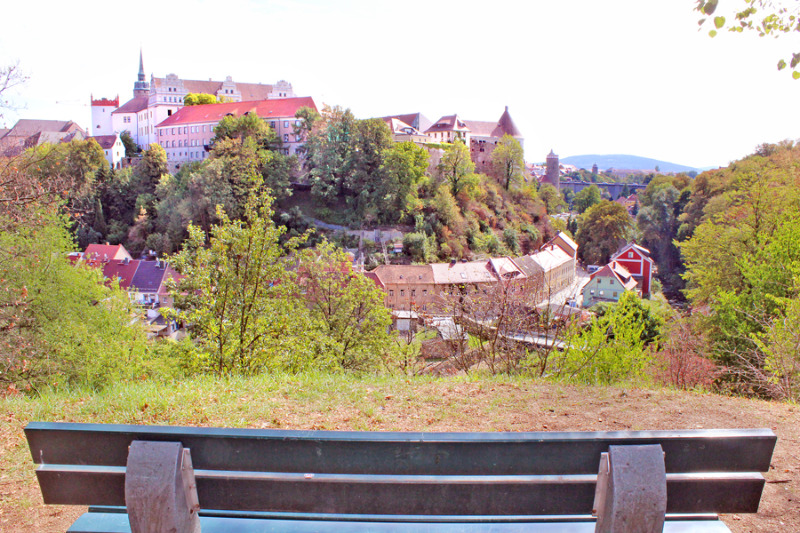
(506, 268)
(106, 142)
(551, 257)
(644, 252)
(494, 129)
(149, 276)
(396, 274)
(134, 105)
(121, 270)
(457, 273)
(280, 108)
(507, 125)
(415, 120)
(481, 128)
(26, 127)
(106, 252)
(615, 270)
(448, 123)
(249, 91)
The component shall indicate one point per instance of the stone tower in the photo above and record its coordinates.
(551, 174)
(594, 168)
(141, 87)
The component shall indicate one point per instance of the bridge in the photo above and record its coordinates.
(614, 189)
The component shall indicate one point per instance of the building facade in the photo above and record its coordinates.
(186, 134)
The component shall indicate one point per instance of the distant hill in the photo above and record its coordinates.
(627, 162)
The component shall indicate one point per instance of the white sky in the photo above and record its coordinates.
(579, 76)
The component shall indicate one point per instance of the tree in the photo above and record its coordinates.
(767, 18)
(201, 99)
(328, 152)
(610, 350)
(349, 325)
(508, 162)
(11, 76)
(586, 198)
(246, 126)
(603, 229)
(402, 171)
(130, 145)
(552, 199)
(455, 166)
(236, 294)
(59, 323)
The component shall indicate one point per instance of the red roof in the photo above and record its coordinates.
(121, 270)
(105, 141)
(134, 105)
(279, 108)
(105, 252)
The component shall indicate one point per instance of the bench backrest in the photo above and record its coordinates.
(368, 473)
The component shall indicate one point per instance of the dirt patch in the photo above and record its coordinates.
(463, 406)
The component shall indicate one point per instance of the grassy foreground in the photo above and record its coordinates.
(345, 402)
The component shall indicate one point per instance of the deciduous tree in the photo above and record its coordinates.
(508, 162)
(603, 229)
(455, 166)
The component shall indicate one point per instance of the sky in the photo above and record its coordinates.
(578, 76)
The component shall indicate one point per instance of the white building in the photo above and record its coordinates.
(112, 147)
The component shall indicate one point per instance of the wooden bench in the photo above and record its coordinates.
(187, 479)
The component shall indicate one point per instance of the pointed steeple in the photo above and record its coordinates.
(507, 125)
(141, 87)
(141, 66)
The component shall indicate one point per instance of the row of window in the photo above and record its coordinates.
(181, 144)
(186, 129)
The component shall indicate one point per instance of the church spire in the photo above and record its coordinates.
(141, 87)
(141, 66)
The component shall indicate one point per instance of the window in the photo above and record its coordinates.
(630, 255)
(413, 292)
(615, 295)
(285, 123)
(402, 292)
(286, 137)
(272, 124)
(173, 131)
(424, 292)
(391, 293)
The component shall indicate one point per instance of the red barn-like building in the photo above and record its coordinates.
(637, 261)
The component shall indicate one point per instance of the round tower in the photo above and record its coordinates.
(551, 173)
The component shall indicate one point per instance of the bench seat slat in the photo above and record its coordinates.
(416, 495)
(536, 453)
(118, 523)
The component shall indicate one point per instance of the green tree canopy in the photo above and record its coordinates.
(455, 166)
(766, 18)
(508, 162)
(349, 324)
(586, 198)
(237, 294)
(603, 229)
(202, 99)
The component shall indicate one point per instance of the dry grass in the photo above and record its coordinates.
(394, 404)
